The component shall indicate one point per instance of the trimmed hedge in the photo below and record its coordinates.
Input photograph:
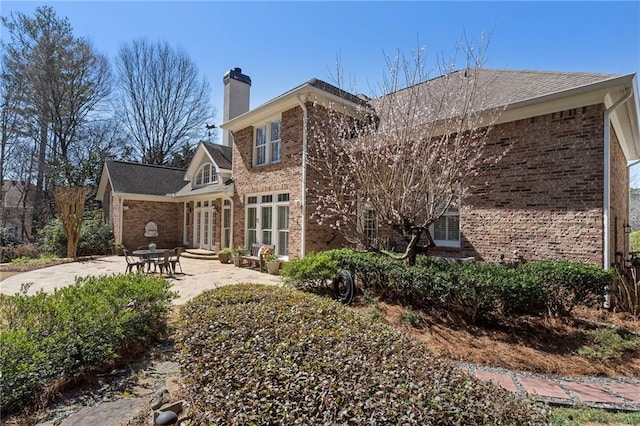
(76, 328)
(265, 355)
(476, 289)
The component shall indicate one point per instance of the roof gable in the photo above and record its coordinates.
(208, 152)
(220, 154)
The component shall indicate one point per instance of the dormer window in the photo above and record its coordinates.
(206, 175)
(267, 144)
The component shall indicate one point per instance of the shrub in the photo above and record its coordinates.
(609, 345)
(61, 335)
(27, 251)
(266, 355)
(95, 237)
(476, 288)
(310, 273)
(7, 237)
(567, 284)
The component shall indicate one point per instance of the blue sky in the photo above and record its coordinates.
(281, 45)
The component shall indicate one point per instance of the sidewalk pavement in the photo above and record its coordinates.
(598, 392)
(200, 275)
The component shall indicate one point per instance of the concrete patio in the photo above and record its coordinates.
(199, 275)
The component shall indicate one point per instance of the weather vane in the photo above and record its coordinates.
(209, 128)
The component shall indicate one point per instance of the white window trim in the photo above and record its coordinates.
(213, 175)
(268, 144)
(451, 212)
(364, 207)
(274, 218)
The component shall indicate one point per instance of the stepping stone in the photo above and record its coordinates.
(543, 387)
(499, 379)
(590, 392)
(628, 390)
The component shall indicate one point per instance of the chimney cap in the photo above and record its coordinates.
(236, 74)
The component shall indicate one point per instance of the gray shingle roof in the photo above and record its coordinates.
(511, 86)
(136, 178)
(221, 154)
(495, 89)
(329, 88)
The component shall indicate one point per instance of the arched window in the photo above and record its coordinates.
(206, 175)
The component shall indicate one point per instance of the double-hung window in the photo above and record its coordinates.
(446, 230)
(268, 221)
(268, 144)
(367, 223)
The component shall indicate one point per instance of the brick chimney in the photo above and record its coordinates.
(236, 98)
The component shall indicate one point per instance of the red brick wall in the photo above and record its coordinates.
(544, 198)
(285, 176)
(168, 217)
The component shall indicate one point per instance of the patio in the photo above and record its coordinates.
(199, 275)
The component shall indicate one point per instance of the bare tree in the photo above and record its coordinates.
(406, 156)
(63, 80)
(163, 102)
(10, 92)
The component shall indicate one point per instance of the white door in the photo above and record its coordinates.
(204, 229)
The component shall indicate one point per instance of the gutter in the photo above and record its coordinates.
(303, 205)
(607, 176)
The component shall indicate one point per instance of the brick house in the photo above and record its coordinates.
(187, 207)
(17, 208)
(561, 191)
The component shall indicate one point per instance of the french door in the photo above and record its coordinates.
(204, 229)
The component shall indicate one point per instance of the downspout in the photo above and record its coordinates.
(629, 192)
(303, 225)
(607, 176)
(629, 166)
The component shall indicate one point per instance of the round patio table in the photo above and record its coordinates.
(149, 256)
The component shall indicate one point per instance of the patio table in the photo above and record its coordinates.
(150, 255)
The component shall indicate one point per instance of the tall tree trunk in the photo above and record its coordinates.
(39, 202)
(70, 202)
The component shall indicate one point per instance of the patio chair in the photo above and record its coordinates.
(132, 262)
(175, 260)
(164, 263)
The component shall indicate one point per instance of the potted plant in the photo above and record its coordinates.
(273, 263)
(152, 246)
(118, 249)
(224, 255)
(237, 253)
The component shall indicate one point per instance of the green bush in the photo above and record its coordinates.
(7, 237)
(609, 345)
(567, 284)
(95, 237)
(265, 355)
(310, 273)
(475, 289)
(61, 335)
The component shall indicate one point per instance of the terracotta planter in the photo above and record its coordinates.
(224, 257)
